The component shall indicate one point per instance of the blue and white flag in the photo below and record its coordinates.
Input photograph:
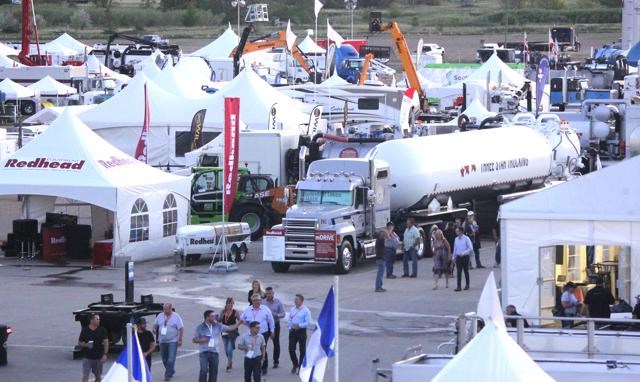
(118, 371)
(321, 346)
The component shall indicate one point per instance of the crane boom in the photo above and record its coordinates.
(277, 40)
(28, 14)
(404, 54)
(365, 68)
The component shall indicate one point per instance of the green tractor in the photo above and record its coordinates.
(258, 201)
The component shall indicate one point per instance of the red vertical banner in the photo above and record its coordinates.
(141, 148)
(231, 140)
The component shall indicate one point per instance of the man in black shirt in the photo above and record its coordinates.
(598, 299)
(94, 342)
(147, 342)
(636, 309)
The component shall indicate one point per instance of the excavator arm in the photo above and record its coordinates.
(405, 55)
(276, 40)
(365, 68)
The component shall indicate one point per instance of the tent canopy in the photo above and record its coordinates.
(50, 87)
(13, 90)
(7, 50)
(220, 47)
(65, 44)
(69, 160)
(308, 46)
(611, 194)
(477, 110)
(496, 68)
(6, 62)
(175, 82)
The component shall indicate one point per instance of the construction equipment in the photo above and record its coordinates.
(117, 60)
(29, 15)
(365, 68)
(403, 52)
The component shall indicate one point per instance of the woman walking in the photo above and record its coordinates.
(256, 288)
(229, 316)
(441, 259)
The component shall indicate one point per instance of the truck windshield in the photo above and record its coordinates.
(340, 198)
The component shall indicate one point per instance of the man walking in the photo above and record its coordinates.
(380, 260)
(255, 350)
(391, 243)
(411, 241)
(169, 330)
(207, 336)
(472, 230)
(262, 314)
(299, 319)
(462, 249)
(94, 343)
(145, 337)
(277, 309)
(598, 299)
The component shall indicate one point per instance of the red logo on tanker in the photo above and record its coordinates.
(46, 163)
(467, 169)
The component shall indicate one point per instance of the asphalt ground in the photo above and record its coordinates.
(38, 299)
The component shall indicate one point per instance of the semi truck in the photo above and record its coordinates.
(342, 203)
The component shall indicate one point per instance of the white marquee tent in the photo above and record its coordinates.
(50, 87)
(175, 82)
(69, 161)
(220, 47)
(6, 50)
(13, 90)
(6, 62)
(601, 208)
(69, 42)
(308, 46)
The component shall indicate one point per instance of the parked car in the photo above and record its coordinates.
(433, 49)
(155, 38)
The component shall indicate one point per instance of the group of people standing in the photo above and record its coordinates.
(451, 248)
(217, 331)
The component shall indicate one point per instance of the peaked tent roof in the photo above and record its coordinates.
(6, 62)
(334, 80)
(309, 46)
(49, 114)
(194, 68)
(7, 50)
(70, 160)
(13, 90)
(71, 43)
(174, 82)
(581, 198)
(49, 86)
(220, 47)
(477, 110)
(58, 48)
(496, 67)
(95, 67)
(149, 66)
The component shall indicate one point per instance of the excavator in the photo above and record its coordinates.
(365, 68)
(28, 14)
(275, 40)
(403, 53)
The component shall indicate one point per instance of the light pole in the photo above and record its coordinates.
(351, 6)
(238, 4)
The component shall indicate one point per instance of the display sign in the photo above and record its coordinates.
(231, 140)
(325, 245)
(273, 245)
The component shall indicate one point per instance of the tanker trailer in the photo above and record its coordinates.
(343, 202)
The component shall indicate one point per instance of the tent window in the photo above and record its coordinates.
(169, 216)
(139, 222)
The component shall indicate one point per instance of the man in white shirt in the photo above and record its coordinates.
(169, 330)
(262, 314)
(410, 241)
(299, 319)
(462, 249)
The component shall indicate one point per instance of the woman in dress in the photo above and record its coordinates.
(229, 316)
(256, 288)
(441, 259)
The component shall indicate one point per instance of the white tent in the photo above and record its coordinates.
(13, 90)
(149, 66)
(6, 62)
(95, 67)
(69, 161)
(496, 69)
(58, 49)
(334, 80)
(308, 46)
(601, 208)
(50, 87)
(492, 355)
(67, 41)
(220, 47)
(194, 68)
(7, 50)
(175, 82)
(49, 114)
(477, 110)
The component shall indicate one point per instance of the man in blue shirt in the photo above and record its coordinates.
(462, 249)
(299, 319)
(264, 316)
(207, 336)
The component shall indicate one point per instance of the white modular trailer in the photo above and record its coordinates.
(193, 241)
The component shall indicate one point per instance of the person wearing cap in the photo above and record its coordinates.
(599, 299)
(472, 230)
(146, 340)
(636, 309)
(569, 303)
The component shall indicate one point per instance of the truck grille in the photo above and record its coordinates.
(299, 238)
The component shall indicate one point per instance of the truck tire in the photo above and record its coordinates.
(427, 241)
(253, 216)
(233, 253)
(242, 253)
(346, 258)
(279, 267)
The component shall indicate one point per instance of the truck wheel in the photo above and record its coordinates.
(279, 267)
(345, 259)
(242, 254)
(255, 218)
(233, 253)
(427, 242)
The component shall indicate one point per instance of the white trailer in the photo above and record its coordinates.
(194, 241)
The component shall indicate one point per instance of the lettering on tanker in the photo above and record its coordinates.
(504, 164)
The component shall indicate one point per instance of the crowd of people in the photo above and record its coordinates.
(217, 332)
(451, 248)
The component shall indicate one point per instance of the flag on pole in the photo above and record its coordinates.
(317, 6)
(141, 148)
(332, 35)
(525, 50)
(321, 346)
(231, 141)
(119, 371)
(291, 38)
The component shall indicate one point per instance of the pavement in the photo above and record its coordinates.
(38, 299)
